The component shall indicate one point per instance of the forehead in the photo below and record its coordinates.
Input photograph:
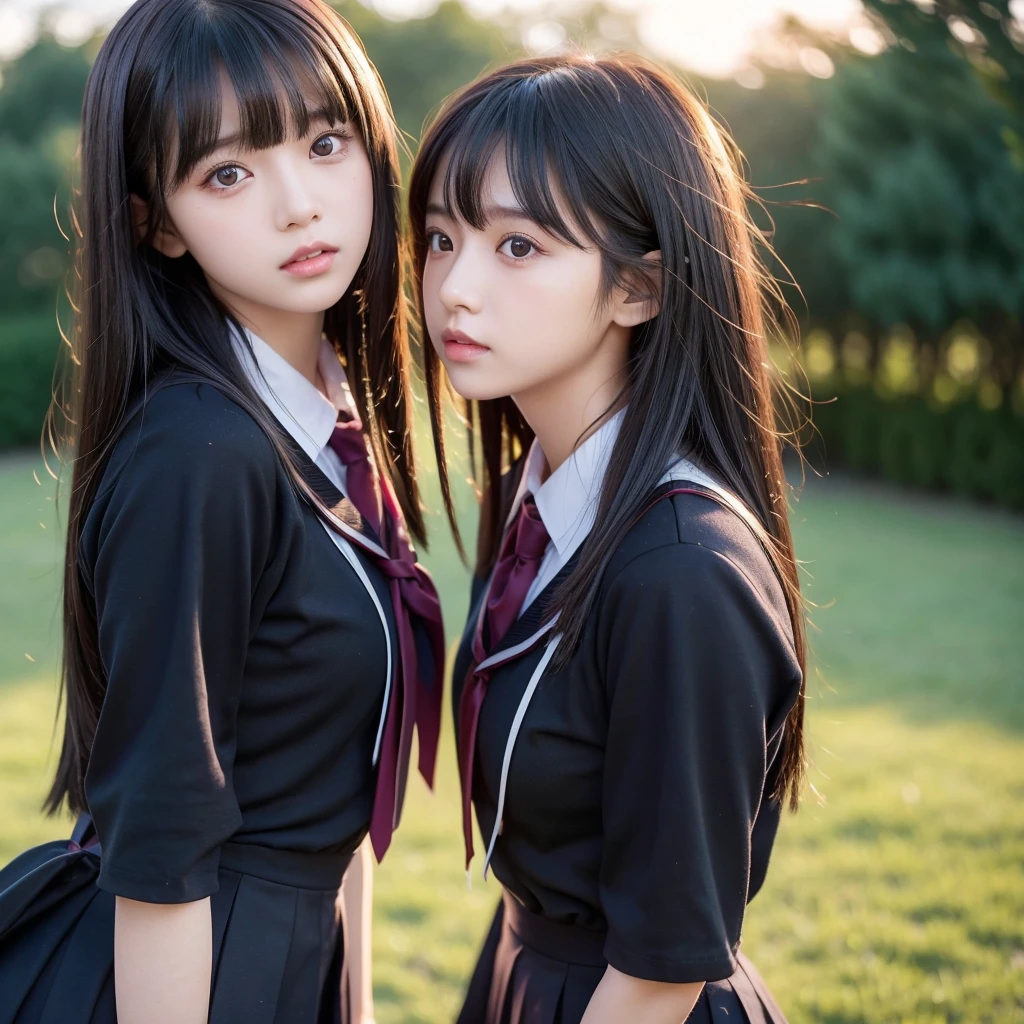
(487, 175)
(253, 104)
(230, 109)
(495, 185)
(231, 113)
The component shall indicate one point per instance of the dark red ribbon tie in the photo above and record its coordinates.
(413, 703)
(522, 552)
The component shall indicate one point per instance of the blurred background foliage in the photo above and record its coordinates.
(890, 161)
(891, 166)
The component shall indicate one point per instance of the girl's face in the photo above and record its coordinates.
(511, 308)
(275, 230)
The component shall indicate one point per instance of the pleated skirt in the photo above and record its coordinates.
(278, 942)
(536, 971)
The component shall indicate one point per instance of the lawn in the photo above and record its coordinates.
(896, 894)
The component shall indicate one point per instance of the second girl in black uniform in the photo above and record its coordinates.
(628, 693)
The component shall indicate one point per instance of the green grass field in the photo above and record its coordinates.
(895, 895)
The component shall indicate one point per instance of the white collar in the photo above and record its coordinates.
(567, 501)
(298, 406)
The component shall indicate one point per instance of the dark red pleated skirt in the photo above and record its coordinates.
(278, 945)
(536, 971)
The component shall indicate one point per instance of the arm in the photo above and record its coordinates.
(693, 662)
(620, 997)
(357, 898)
(175, 550)
(162, 962)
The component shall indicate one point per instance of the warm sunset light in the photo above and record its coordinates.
(709, 38)
(533, 443)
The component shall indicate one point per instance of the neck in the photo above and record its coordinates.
(295, 337)
(564, 411)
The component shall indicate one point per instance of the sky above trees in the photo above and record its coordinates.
(711, 38)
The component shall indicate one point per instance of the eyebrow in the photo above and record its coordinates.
(321, 115)
(494, 211)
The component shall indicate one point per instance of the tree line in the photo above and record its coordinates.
(893, 187)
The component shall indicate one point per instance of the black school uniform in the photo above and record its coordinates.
(246, 667)
(636, 819)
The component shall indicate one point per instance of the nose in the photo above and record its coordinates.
(297, 203)
(460, 288)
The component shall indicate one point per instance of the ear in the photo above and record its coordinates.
(165, 240)
(642, 301)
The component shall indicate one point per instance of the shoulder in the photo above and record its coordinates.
(691, 547)
(186, 416)
(185, 426)
(190, 463)
(188, 452)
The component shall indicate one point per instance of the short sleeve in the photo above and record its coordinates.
(695, 661)
(177, 546)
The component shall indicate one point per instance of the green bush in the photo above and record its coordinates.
(29, 347)
(1007, 466)
(973, 452)
(861, 429)
(913, 442)
(987, 456)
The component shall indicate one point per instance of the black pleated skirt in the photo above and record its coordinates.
(536, 971)
(278, 944)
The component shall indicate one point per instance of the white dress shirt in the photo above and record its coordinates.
(307, 415)
(567, 501)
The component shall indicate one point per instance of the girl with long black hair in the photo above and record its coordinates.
(249, 642)
(629, 690)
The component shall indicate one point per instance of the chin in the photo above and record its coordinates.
(316, 297)
(477, 387)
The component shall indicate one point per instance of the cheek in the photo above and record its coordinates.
(212, 230)
(433, 309)
(350, 198)
(551, 313)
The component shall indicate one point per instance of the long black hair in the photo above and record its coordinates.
(151, 113)
(615, 154)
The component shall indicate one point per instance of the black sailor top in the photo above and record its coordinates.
(639, 787)
(244, 659)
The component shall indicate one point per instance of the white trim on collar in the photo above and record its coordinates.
(309, 418)
(296, 403)
(513, 734)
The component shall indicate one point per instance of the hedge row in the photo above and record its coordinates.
(29, 347)
(961, 448)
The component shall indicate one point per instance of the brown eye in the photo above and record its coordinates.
(439, 242)
(326, 146)
(227, 176)
(517, 247)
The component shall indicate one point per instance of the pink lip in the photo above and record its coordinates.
(461, 348)
(302, 262)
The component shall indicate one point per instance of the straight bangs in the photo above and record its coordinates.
(541, 157)
(558, 128)
(284, 67)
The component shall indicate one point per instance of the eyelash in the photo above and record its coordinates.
(515, 260)
(339, 133)
(433, 233)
